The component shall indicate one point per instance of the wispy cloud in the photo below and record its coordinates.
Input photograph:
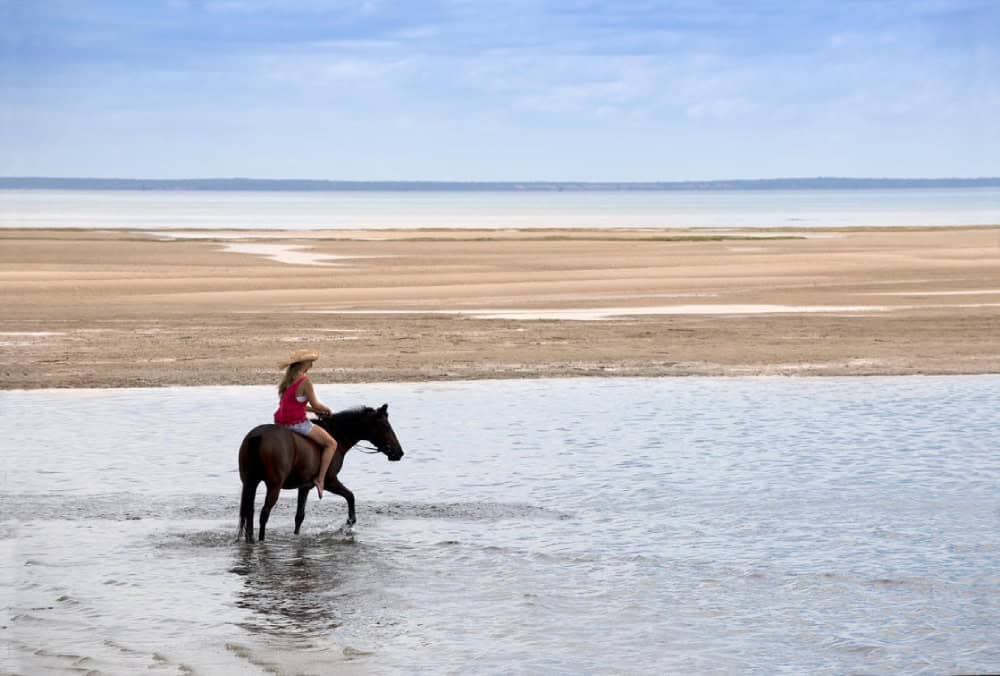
(725, 87)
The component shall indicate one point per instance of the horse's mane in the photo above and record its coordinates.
(350, 412)
(344, 417)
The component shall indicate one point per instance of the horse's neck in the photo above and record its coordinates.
(347, 444)
(345, 434)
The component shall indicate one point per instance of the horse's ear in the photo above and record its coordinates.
(383, 409)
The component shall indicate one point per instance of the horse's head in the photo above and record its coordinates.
(381, 434)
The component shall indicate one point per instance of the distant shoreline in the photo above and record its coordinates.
(301, 185)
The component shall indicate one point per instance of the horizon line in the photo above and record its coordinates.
(248, 183)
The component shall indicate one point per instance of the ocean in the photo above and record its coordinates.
(170, 210)
(565, 526)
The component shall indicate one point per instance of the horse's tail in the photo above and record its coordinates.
(249, 459)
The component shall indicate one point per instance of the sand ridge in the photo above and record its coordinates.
(108, 308)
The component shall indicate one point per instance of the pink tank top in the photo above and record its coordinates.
(291, 411)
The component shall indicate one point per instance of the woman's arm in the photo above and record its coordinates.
(314, 404)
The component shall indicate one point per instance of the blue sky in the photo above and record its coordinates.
(520, 90)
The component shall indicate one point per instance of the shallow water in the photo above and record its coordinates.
(166, 210)
(814, 525)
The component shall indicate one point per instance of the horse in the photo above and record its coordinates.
(283, 459)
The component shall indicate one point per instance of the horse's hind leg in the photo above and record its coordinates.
(300, 511)
(265, 511)
(246, 508)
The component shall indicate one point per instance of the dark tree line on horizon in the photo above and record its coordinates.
(307, 185)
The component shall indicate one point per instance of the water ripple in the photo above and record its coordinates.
(682, 526)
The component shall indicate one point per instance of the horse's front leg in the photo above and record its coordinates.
(300, 511)
(342, 490)
(333, 484)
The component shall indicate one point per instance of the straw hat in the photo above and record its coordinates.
(299, 356)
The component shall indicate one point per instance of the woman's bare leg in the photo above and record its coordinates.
(322, 437)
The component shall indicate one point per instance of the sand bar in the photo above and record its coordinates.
(112, 308)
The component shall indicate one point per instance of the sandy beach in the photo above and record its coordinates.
(113, 308)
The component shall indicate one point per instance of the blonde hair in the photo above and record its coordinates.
(291, 375)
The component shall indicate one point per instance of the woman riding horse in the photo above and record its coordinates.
(283, 460)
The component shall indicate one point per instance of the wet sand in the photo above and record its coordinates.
(88, 308)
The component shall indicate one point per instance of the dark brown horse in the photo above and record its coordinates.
(283, 459)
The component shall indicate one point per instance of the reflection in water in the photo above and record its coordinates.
(300, 588)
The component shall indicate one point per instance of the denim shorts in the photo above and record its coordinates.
(303, 428)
